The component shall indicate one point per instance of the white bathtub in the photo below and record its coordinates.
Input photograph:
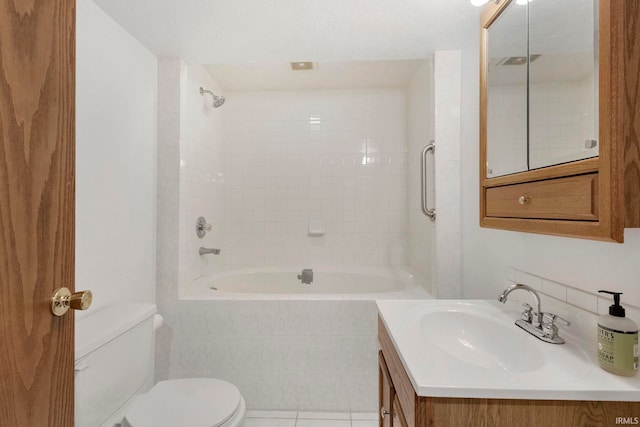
(275, 283)
(285, 345)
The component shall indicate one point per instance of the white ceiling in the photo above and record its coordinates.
(280, 31)
(248, 44)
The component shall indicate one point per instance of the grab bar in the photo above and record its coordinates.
(431, 213)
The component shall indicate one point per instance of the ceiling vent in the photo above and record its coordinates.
(517, 60)
(302, 65)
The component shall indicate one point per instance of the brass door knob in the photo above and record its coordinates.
(63, 299)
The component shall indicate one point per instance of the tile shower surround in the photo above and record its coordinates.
(284, 355)
(271, 163)
(202, 170)
(334, 156)
(265, 164)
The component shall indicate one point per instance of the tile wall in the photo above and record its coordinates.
(336, 158)
(446, 276)
(167, 254)
(420, 131)
(202, 174)
(285, 355)
(190, 175)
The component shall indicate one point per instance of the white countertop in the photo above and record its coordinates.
(568, 371)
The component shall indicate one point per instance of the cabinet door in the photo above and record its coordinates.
(398, 416)
(386, 393)
(389, 408)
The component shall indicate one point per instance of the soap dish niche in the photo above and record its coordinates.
(316, 229)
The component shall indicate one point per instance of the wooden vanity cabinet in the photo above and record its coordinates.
(412, 410)
(595, 198)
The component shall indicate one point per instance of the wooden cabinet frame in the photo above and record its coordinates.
(618, 165)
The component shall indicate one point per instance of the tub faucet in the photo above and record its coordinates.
(543, 326)
(306, 276)
(205, 251)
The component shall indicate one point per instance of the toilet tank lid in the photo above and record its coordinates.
(97, 329)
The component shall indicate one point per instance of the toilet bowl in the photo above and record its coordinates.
(188, 402)
(114, 372)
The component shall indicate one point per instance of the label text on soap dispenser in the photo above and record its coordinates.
(617, 349)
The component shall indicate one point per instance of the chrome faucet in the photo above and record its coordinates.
(540, 325)
(527, 313)
(205, 251)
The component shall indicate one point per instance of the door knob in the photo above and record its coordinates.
(63, 299)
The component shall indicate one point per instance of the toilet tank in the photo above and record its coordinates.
(114, 355)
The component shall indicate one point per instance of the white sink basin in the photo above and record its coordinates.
(472, 348)
(481, 341)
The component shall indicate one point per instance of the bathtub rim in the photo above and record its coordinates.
(412, 289)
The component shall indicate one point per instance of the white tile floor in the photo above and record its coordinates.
(310, 419)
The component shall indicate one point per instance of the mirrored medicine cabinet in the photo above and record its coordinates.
(558, 103)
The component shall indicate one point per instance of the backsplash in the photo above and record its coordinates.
(578, 306)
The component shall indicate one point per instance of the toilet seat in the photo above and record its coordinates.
(194, 402)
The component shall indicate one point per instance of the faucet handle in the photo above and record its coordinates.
(527, 314)
(549, 327)
(202, 227)
(550, 318)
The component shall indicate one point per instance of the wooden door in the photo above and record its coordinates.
(37, 190)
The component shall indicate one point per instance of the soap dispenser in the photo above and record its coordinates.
(617, 340)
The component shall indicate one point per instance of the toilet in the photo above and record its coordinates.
(114, 369)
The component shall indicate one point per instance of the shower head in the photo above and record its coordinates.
(217, 100)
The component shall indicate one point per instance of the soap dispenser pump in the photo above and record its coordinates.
(617, 340)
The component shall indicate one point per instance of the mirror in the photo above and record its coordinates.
(542, 111)
(507, 93)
